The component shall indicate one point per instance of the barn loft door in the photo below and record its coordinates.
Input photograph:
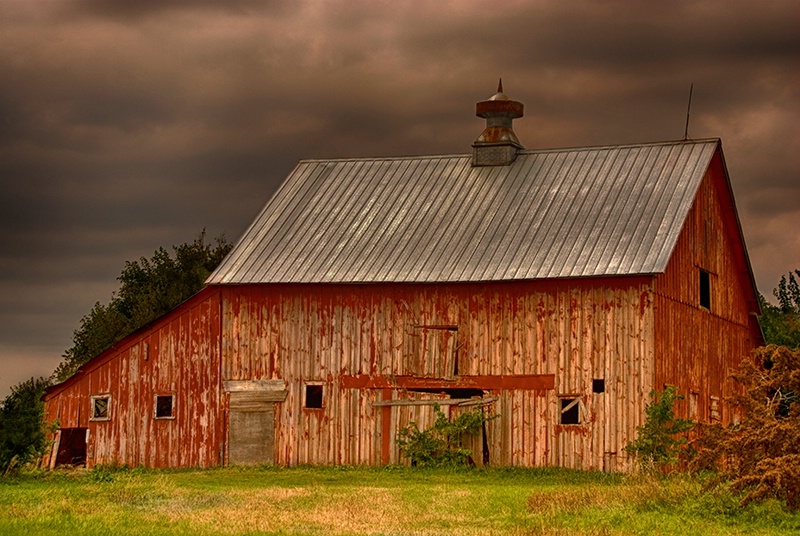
(251, 425)
(435, 352)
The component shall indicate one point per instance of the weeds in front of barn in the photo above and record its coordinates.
(374, 501)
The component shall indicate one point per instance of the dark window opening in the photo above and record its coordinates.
(570, 411)
(598, 386)
(464, 393)
(101, 408)
(314, 396)
(164, 406)
(705, 289)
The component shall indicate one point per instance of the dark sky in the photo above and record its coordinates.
(130, 125)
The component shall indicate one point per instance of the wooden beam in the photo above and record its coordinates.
(233, 386)
(443, 402)
(524, 382)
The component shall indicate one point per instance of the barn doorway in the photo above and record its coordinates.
(252, 433)
(71, 446)
(419, 408)
(251, 420)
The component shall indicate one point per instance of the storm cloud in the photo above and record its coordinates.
(127, 126)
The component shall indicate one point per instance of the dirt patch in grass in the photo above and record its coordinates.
(321, 510)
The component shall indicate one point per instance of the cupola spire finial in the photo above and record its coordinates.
(500, 86)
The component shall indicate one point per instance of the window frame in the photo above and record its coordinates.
(574, 401)
(171, 416)
(314, 385)
(93, 400)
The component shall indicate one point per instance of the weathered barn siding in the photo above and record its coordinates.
(367, 343)
(696, 347)
(179, 355)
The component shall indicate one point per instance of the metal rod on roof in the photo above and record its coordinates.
(688, 109)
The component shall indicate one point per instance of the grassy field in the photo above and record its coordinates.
(393, 500)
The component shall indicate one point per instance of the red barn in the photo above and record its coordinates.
(554, 288)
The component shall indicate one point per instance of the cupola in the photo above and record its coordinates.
(498, 144)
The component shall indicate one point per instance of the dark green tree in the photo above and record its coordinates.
(781, 323)
(149, 288)
(22, 436)
(660, 439)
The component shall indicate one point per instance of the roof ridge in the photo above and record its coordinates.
(384, 158)
(663, 143)
(521, 151)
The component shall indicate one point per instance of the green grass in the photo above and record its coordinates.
(392, 500)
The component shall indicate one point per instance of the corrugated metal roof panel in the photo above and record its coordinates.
(596, 211)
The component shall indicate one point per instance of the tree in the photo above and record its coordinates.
(22, 436)
(660, 439)
(781, 323)
(760, 455)
(149, 288)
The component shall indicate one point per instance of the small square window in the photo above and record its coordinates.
(165, 407)
(570, 411)
(313, 396)
(705, 289)
(100, 407)
(598, 386)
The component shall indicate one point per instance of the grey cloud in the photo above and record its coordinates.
(126, 126)
(126, 10)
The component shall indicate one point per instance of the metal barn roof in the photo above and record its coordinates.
(596, 211)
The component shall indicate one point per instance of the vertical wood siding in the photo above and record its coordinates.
(178, 355)
(698, 348)
(575, 331)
